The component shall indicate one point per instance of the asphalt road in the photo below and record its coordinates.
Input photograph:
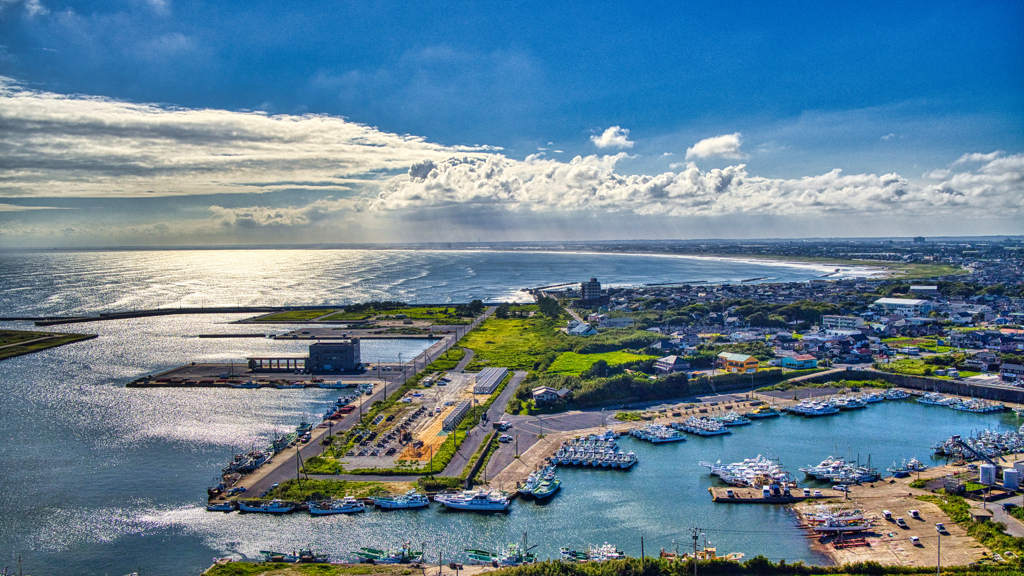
(284, 468)
(477, 435)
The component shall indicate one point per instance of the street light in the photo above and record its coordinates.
(938, 553)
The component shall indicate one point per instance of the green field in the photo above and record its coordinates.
(437, 314)
(914, 367)
(514, 343)
(14, 342)
(293, 315)
(573, 363)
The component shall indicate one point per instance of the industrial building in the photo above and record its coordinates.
(451, 421)
(334, 357)
(590, 290)
(487, 380)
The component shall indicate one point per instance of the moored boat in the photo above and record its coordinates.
(347, 505)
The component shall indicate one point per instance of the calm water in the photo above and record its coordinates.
(100, 479)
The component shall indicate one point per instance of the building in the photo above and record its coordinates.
(590, 290)
(737, 362)
(452, 420)
(832, 322)
(670, 365)
(615, 322)
(926, 290)
(334, 357)
(544, 395)
(580, 329)
(799, 362)
(1011, 373)
(904, 306)
(487, 380)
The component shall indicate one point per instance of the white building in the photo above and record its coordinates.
(833, 322)
(904, 306)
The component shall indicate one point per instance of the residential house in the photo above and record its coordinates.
(544, 395)
(799, 362)
(737, 362)
(670, 365)
(1011, 373)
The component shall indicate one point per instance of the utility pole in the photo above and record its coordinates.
(696, 536)
(938, 554)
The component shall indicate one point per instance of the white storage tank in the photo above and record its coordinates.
(1011, 478)
(987, 474)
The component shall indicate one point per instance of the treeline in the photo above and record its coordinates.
(957, 289)
(758, 314)
(594, 391)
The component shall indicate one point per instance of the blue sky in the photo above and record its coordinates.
(775, 96)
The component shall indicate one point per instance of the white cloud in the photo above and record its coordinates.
(75, 146)
(614, 137)
(256, 216)
(18, 208)
(725, 146)
(888, 136)
(590, 183)
(979, 157)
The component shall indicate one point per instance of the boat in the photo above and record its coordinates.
(271, 507)
(403, 555)
(569, 555)
(763, 411)
(899, 471)
(286, 386)
(702, 426)
(474, 500)
(935, 399)
(896, 394)
(512, 555)
(752, 473)
(347, 505)
(271, 556)
(832, 526)
(410, 499)
(657, 434)
(731, 418)
(226, 506)
(547, 489)
(605, 552)
(872, 397)
(249, 384)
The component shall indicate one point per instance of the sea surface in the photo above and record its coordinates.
(96, 478)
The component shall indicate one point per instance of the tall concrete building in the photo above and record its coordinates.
(590, 290)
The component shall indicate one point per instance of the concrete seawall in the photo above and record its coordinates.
(959, 387)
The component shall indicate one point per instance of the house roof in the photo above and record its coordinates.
(736, 357)
(903, 301)
(544, 390)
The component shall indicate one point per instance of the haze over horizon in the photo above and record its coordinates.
(167, 122)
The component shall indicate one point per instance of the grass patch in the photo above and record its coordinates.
(628, 417)
(19, 342)
(573, 363)
(515, 343)
(295, 491)
(788, 385)
(449, 360)
(346, 316)
(293, 316)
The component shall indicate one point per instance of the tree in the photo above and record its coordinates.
(549, 307)
(503, 311)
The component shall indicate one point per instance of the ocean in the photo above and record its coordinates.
(101, 479)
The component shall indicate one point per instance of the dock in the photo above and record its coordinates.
(756, 496)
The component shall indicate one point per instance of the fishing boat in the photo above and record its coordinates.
(403, 555)
(899, 470)
(605, 552)
(547, 489)
(272, 507)
(763, 411)
(657, 434)
(271, 556)
(249, 384)
(731, 418)
(569, 555)
(347, 505)
(896, 394)
(225, 506)
(702, 426)
(834, 526)
(512, 555)
(410, 499)
(475, 501)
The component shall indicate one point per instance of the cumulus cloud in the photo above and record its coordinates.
(591, 183)
(614, 137)
(725, 146)
(57, 145)
(258, 216)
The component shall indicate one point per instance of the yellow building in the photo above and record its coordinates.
(737, 362)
